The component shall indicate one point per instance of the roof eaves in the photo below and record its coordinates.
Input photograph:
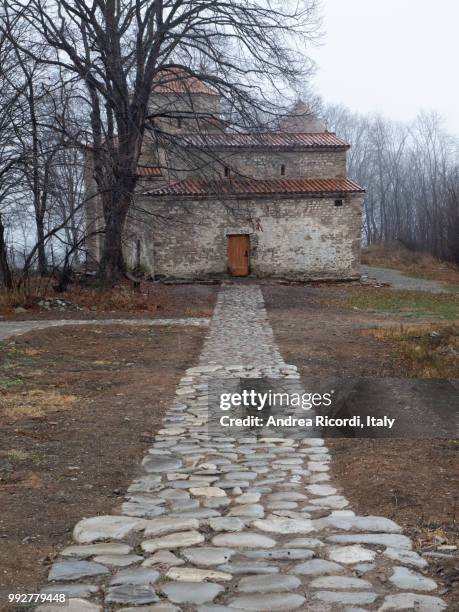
(254, 196)
(197, 189)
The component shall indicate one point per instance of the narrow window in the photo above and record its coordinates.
(227, 172)
(283, 170)
(138, 250)
(179, 122)
(338, 202)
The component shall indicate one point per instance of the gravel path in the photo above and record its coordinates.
(17, 328)
(221, 522)
(397, 280)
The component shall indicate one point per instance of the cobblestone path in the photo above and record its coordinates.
(17, 328)
(216, 523)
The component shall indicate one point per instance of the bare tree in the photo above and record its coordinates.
(243, 48)
(41, 171)
(411, 172)
(5, 269)
(11, 122)
(36, 155)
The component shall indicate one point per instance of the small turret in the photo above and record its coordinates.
(301, 120)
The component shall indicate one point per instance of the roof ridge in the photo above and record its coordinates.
(270, 132)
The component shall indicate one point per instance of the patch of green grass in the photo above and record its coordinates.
(5, 467)
(11, 356)
(12, 360)
(7, 382)
(407, 304)
(8, 348)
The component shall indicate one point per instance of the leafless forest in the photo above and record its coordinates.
(411, 172)
(75, 79)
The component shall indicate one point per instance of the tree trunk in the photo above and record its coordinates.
(116, 202)
(66, 274)
(39, 203)
(112, 266)
(4, 265)
(42, 261)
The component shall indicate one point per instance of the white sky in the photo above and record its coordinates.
(395, 57)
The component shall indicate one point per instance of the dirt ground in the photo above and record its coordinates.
(78, 408)
(414, 482)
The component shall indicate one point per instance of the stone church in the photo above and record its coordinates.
(212, 201)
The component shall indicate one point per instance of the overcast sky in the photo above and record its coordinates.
(395, 57)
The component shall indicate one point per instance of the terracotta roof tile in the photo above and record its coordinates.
(201, 188)
(267, 139)
(179, 81)
(149, 171)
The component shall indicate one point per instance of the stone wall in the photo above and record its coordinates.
(304, 164)
(289, 238)
(258, 164)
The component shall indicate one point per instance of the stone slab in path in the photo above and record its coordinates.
(73, 570)
(272, 602)
(105, 528)
(268, 584)
(191, 592)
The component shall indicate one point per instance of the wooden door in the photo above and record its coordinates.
(238, 254)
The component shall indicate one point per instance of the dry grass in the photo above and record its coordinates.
(27, 295)
(24, 296)
(34, 403)
(428, 351)
(149, 299)
(426, 537)
(15, 454)
(12, 459)
(414, 263)
(119, 298)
